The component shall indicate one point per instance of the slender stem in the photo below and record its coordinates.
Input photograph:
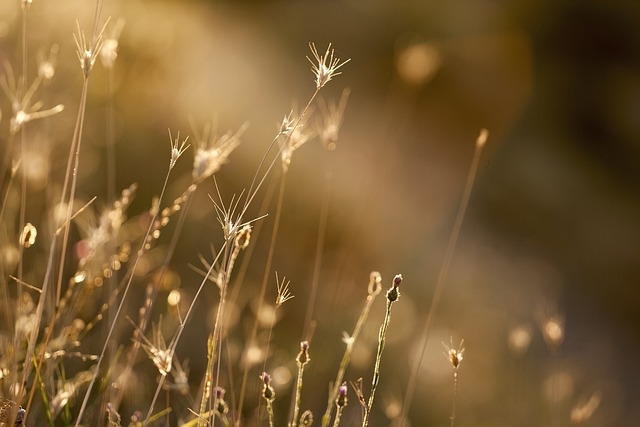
(155, 398)
(374, 290)
(376, 370)
(23, 196)
(152, 292)
(296, 408)
(263, 288)
(253, 190)
(49, 268)
(444, 273)
(336, 422)
(455, 396)
(270, 413)
(217, 329)
(140, 252)
(111, 142)
(317, 264)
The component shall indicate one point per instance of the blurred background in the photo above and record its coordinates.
(553, 223)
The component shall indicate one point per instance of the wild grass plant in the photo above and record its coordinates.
(95, 329)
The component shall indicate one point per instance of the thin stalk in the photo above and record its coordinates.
(144, 318)
(253, 189)
(250, 195)
(208, 379)
(336, 421)
(270, 413)
(444, 272)
(455, 396)
(217, 328)
(23, 180)
(50, 260)
(296, 408)
(111, 143)
(302, 359)
(374, 289)
(376, 369)
(263, 288)
(155, 398)
(140, 252)
(317, 264)
(7, 312)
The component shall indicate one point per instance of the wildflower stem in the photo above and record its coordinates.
(263, 288)
(155, 398)
(139, 254)
(75, 147)
(151, 293)
(270, 413)
(253, 190)
(296, 407)
(336, 421)
(444, 272)
(455, 396)
(111, 150)
(208, 380)
(374, 290)
(317, 264)
(376, 370)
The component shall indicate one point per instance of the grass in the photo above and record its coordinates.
(91, 284)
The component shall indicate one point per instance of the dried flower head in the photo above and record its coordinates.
(28, 235)
(454, 355)
(287, 125)
(325, 66)
(177, 148)
(284, 294)
(158, 352)
(295, 137)
(87, 54)
(22, 110)
(212, 150)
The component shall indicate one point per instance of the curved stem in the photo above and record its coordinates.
(140, 252)
(444, 272)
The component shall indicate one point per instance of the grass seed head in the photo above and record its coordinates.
(177, 148)
(326, 66)
(28, 235)
(454, 355)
